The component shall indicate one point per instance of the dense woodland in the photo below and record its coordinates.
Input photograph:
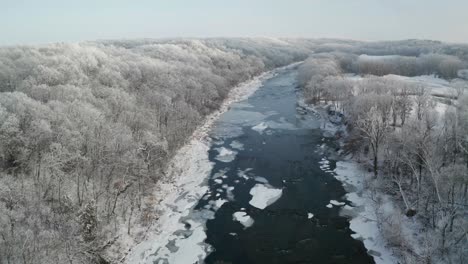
(413, 140)
(87, 129)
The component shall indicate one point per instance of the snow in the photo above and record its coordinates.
(364, 222)
(263, 196)
(184, 185)
(310, 215)
(437, 86)
(189, 168)
(243, 218)
(260, 127)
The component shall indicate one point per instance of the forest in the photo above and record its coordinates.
(87, 130)
(409, 132)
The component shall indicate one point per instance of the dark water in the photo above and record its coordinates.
(287, 155)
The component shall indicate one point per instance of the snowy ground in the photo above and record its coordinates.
(178, 235)
(437, 86)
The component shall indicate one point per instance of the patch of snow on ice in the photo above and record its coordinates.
(263, 196)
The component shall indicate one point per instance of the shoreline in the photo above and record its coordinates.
(363, 212)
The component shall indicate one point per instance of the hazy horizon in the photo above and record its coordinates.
(50, 21)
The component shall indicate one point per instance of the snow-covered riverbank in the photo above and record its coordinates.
(184, 186)
(364, 209)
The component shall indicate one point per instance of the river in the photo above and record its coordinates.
(267, 143)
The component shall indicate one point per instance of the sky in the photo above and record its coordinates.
(45, 21)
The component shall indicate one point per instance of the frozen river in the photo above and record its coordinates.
(271, 179)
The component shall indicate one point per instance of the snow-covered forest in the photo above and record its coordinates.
(87, 129)
(405, 107)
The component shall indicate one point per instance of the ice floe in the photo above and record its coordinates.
(336, 203)
(263, 196)
(218, 181)
(243, 218)
(226, 155)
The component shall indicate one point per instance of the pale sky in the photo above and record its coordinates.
(44, 21)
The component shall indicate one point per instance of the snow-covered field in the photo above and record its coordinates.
(437, 86)
(178, 235)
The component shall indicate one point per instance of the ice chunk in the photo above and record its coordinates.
(263, 196)
(243, 218)
(336, 203)
(218, 181)
(225, 155)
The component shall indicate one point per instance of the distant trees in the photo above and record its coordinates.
(445, 66)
